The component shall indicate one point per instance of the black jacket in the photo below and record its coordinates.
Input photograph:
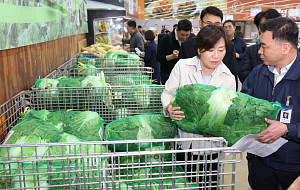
(187, 51)
(251, 59)
(166, 46)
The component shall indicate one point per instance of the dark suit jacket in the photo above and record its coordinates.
(250, 60)
(187, 51)
(166, 47)
(150, 60)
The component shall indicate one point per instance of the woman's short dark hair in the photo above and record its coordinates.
(149, 35)
(208, 37)
(283, 29)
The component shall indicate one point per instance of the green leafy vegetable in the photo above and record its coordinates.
(222, 112)
(85, 125)
(139, 127)
(33, 130)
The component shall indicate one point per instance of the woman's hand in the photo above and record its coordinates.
(174, 112)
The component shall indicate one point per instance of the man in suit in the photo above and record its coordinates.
(169, 45)
(239, 43)
(210, 15)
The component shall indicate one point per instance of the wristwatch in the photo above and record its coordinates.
(286, 133)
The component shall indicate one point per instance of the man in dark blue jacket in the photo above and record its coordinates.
(239, 43)
(251, 57)
(278, 79)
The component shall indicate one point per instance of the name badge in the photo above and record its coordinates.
(286, 114)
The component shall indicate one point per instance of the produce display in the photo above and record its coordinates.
(222, 112)
(140, 127)
(155, 177)
(84, 70)
(129, 79)
(54, 176)
(119, 59)
(55, 91)
(86, 125)
(99, 50)
(32, 129)
(103, 26)
(89, 81)
(102, 38)
(137, 96)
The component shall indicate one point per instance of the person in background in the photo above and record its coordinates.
(239, 43)
(251, 57)
(168, 48)
(277, 79)
(140, 28)
(136, 39)
(174, 26)
(240, 34)
(204, 68)
(163, 28)
(161, 35)
(150, 56)
(210, 16)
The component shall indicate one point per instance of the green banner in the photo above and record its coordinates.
(26, 22)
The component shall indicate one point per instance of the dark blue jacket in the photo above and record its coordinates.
(150, 60)
(250, 60)
(239, 47)
(260, 84)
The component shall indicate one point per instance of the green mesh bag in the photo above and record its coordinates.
(34, 130)
(85, 60)
(117, 59)
(129, 79)
(135, 96)
(76, 95)
(139, 127)
(83, 70)
(59, 174)
(222, 112)
(89, 81)
(163, 177)
(86, 125)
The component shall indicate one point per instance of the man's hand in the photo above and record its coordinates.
(237, 55)
(174, 113)
(175, 54)
(172, 56)
(274, 131)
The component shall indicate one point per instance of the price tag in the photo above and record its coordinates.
(118, 95)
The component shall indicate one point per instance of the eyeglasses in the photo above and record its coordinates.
(211, 23)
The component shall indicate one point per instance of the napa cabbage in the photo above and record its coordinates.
(139, 127)
(222, 112)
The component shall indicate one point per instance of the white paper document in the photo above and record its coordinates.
(249, 144)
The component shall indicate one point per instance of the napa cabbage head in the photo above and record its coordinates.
(46, 83)
(93, 81)
(219, 102)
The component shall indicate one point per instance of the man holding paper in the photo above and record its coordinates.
(278, 79)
